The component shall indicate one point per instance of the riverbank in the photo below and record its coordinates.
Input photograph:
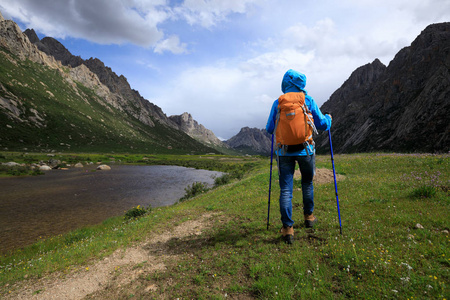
(395, 241)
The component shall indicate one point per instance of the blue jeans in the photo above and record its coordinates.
(286, 168)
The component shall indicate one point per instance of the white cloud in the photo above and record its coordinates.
(100, 21)
(171, 44)
(208, 13)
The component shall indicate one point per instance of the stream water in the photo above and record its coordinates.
(62, 200)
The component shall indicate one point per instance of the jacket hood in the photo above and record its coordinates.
(293, 81)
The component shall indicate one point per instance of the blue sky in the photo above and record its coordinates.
(222, 61)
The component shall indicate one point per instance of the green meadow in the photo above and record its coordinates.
(395, 241)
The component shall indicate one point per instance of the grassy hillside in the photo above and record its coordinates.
(53, 115)
(383, 252)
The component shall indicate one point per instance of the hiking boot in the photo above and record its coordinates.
(310, 220)
(288, 234)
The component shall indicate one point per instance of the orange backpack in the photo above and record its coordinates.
(295, 124)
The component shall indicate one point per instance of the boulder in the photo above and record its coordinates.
(54, 163)
(44, 168)
(78, 165)
(11, 164)
(103, 167)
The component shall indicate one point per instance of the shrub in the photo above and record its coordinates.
(195, 189)
(224, 179)
(136, 212)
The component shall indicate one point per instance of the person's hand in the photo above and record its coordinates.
(330, 116)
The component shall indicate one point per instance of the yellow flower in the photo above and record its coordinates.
(372, 271)
(87, 268)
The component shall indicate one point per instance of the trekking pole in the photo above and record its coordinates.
(335, 183)
(270, 183)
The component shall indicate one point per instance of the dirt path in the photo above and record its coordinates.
(322, 176)
(119, 269)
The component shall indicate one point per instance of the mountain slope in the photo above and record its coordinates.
(45, 106)
(403, 107)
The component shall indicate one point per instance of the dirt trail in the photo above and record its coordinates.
(119, 268)
(322, 176)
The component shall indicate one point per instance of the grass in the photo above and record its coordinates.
(381, 254)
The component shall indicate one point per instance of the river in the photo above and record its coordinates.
(38, 207)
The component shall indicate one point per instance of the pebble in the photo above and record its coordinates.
(418, 226)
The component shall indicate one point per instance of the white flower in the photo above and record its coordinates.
(408, 266)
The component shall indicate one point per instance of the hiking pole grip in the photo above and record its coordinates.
(335, 182)
(270, 183)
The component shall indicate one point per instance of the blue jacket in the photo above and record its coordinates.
(294, 81)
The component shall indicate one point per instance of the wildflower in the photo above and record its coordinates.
(408, 266)
(87, 268)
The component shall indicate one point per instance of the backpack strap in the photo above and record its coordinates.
(278, 146)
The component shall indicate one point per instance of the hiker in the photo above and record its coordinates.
(302, 151)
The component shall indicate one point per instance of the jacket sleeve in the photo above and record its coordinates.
(322, 122)
(270, 126)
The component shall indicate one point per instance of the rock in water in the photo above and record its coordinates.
(11, 164)
(103, 167)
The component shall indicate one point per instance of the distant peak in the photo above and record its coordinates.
(32, 36)
(377, 62)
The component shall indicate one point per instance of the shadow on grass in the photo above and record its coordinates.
(223, 239)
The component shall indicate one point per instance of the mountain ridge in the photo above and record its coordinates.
(119, 84)
(402, 107)
(47, 106)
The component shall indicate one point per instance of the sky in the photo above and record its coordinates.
(222, 61)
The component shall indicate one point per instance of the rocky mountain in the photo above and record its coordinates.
(50, 99)
(403, 107)
(251, 141)
(197, 131)
(140, 108)
(120, 85)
